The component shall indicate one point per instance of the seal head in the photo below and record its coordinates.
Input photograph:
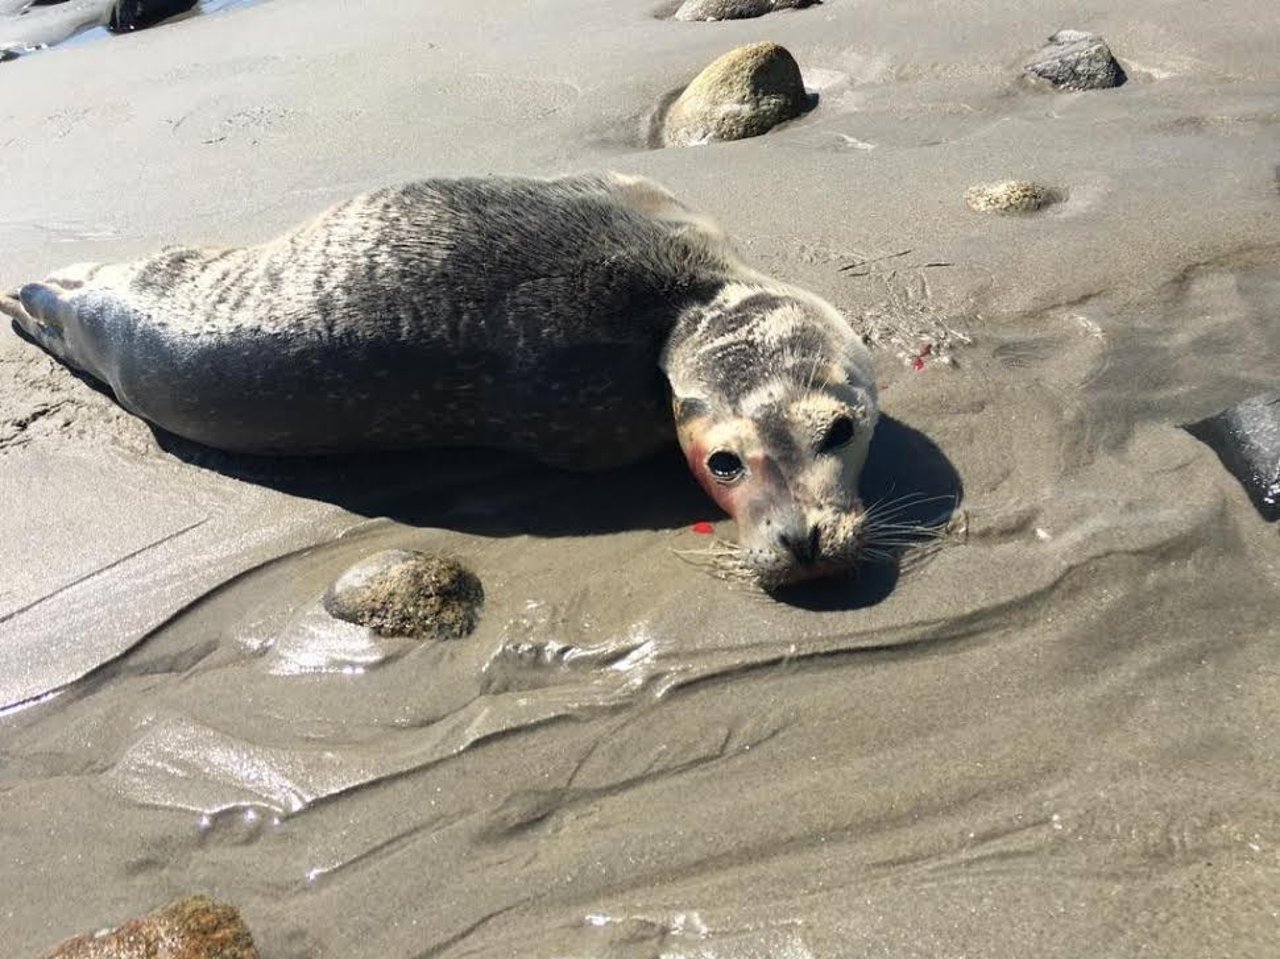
(775, 405)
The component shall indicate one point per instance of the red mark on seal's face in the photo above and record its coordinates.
(703, 528)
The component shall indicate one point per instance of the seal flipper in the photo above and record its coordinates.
(35, 309)
(43, 302)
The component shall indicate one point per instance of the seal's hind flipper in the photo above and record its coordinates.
(44, 303)
(11, 307)
(37, 310)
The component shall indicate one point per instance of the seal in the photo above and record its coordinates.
(562, 318)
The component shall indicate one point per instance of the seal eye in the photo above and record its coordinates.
(724, 466)
(839, 434)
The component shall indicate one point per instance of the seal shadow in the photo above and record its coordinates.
(498, 494)
(471, 490)
(908, 474)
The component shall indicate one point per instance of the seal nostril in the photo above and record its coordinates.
(803, 548)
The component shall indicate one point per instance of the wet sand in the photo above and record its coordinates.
(1055, 738)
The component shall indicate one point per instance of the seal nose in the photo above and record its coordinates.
(803, 545)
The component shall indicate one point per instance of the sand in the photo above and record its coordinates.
(1055, 738)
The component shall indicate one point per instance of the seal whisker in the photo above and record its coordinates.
(910, 499)
(905, 533)
(879, 555)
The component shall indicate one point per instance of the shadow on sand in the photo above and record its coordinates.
(490, 493)
(907, 472)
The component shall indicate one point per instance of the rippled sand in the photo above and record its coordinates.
(1053, 737)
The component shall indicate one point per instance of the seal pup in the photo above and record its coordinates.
(561, 318)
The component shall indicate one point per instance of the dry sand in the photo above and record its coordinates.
(1055, 739)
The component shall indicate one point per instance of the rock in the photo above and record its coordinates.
(1009, 196)
(1246, 438)
(1075, 60)
(129, 15)
(192, 928)
(735, 9)
(406, 593)
(744, 93)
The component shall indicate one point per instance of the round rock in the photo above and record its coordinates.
(1008, 196)
(735, 9)
(744, 93)
(1076, 60)
(407, 593)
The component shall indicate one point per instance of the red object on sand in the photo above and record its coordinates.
(703, 528)
(925, 350)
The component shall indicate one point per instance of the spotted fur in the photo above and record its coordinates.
(552, 317)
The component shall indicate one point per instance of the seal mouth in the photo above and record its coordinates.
(881, 535)
(796, 573)
(770, 569)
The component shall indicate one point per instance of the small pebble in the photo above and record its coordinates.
(407, 593)
(1008, 196)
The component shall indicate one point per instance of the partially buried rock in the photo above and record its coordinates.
(735, 9)
(127, 15)
(744, 93)
(192, 928)
(1076, 60)
(1247, 440)
(1008, 196)
(406, 593)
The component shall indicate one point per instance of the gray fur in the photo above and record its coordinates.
(531, 315)
(522, 314)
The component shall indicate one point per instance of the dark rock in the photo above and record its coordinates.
(735, 9)
(1076, 60)
(1247, 440)
(405, 593)
(192, 928)
(744, 93)
(129, 15)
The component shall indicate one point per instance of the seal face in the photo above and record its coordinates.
(538, 316)
(775, 405)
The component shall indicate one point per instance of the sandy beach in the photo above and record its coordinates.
(1054, 736)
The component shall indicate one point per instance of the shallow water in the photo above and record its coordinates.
(1053, 736)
